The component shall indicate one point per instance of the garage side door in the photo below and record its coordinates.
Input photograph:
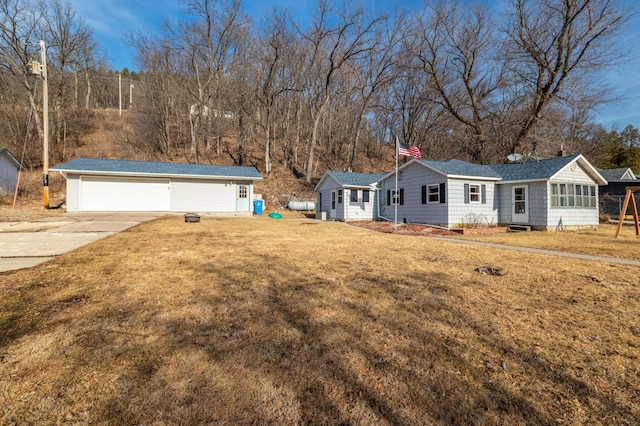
(124, 194)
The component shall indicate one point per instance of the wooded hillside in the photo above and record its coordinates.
(298, 98)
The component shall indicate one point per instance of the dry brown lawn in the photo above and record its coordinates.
(237, 321)
(595, 242)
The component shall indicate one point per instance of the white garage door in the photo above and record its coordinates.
(124, 194)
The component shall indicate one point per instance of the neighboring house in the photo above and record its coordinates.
(548, 194)
(9, 168)
(347, 195)
(613, 193)
(95, 184)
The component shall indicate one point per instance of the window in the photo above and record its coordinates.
(353, 196)
(474, 193)
(339, 196)
(563, 195)
(434, 193)
(555, 195)
(365, 195)
(395, 196)
(333, 200)
(570, 195)
(243, 191)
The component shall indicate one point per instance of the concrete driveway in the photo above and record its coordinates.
(27, 244)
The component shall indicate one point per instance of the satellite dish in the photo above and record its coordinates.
(514, 157)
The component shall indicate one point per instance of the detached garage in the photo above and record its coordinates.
(95, 184)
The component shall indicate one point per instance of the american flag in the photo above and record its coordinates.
(408, 150)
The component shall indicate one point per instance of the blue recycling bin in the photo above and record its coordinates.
(257, 206)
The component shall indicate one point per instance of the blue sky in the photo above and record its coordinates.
(111, 19)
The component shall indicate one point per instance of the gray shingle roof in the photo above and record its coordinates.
(614, 174)
(533, 169)
(355, 179)
(128, 167)
(455, 167)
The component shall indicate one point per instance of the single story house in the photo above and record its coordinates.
(614, 192)
(547, 194)
(443, 193)
(97, 184)
(9, 168)
(347, 195)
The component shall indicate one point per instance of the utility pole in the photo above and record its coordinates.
(120, 94)
(130, 94)
(45, 125)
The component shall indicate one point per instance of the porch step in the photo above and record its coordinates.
(519, 228)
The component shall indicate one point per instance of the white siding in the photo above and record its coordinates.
(345, 210)
(411, 179)
(559, 218)
(327, 187)
(187, 195)
(359, 210)
(471, 213)
(73, 193)
(124, 194)
(8, 175)
(200, 196)
(537, 202)
(541, 214)
(451, 213)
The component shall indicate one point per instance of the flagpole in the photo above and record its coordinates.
(396, 197)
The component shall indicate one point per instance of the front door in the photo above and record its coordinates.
(333, 205)
(520, 211)
(242, 198)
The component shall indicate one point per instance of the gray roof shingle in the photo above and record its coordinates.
(355, 179)
(124, 167)
(533, 169)
(455, 167)
(615, 174)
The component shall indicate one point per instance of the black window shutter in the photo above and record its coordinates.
(388, 197)
(442, 200)
(424, 194)
(466, 193)
(401, 196)
(484, 194)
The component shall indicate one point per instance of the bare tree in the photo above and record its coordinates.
(455, 48)
(205, 45)
(273, 52)
(19, 35)
(71, 39)
(332, 46)
(558, 45)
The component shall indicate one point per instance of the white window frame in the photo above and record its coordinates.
(573, 196)
(351, 193)
(433, 196)
(475, 194)
(395, 197)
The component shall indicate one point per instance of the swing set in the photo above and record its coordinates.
(623, 213)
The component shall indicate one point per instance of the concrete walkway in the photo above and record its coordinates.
(542, 251)
(27, 244)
